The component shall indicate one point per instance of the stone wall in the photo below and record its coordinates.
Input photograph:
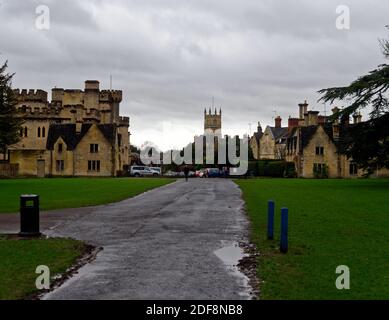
(255, 148)
(330, 156)
(105, 155)
(27, 161)
(9, 170)
(267, 146)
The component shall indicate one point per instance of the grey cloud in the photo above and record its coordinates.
(170, 57)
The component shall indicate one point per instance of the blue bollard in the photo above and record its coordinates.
(270, 220)
(284, 230)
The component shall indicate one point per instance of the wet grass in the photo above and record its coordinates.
(332, 223)
(20, 258)
(60, 193)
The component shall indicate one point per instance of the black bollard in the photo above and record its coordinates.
(29, 216)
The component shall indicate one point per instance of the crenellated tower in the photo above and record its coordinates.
(212, 121)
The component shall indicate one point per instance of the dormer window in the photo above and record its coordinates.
(319, 151)
(94, 148)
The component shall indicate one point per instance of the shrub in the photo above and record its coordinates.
(273, 168)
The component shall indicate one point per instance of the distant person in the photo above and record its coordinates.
(186, 172)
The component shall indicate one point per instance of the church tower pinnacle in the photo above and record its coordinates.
(213, 122)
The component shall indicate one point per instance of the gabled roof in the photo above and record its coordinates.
(69, 135)
(108, 131)
(278, 132)
(258, 136)
(308, 132)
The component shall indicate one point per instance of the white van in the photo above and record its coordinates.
(156, 170)
(141, 171)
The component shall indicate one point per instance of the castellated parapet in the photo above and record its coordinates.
(91, 101)
(212, 121)
(31, 95)
(124, 121)
(57, 94)
(111, 96)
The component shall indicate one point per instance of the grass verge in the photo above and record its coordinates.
(60, 193)
(332, 223)
(19, 259)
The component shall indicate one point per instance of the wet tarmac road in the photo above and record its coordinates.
(165, 244)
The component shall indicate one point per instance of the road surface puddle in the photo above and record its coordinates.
(231, 254)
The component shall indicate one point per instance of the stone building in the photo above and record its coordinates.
(78, 133)
(213, 122)
(313, 144)
(255, 142)
(273, 141)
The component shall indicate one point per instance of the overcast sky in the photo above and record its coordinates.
(257, 58)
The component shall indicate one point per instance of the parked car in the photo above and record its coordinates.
(192, 174)
(156, 170)
(213, 173)
(200, 173)
(141, 171)
(171, 174)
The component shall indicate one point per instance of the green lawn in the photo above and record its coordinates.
(59, 193)
(19, 259)
(331, 223)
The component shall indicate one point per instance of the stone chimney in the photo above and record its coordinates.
(345, 120)
(293, 123)
(259, 128)
(303, 109)
(322, 120)
(313, 118)
(335, 125)
(278, 122)
(306, 119)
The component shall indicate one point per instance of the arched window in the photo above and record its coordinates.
(39, 132)
(43, 132)
(21, 132)
(25, 132)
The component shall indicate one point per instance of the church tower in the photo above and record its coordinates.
(212, 122)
